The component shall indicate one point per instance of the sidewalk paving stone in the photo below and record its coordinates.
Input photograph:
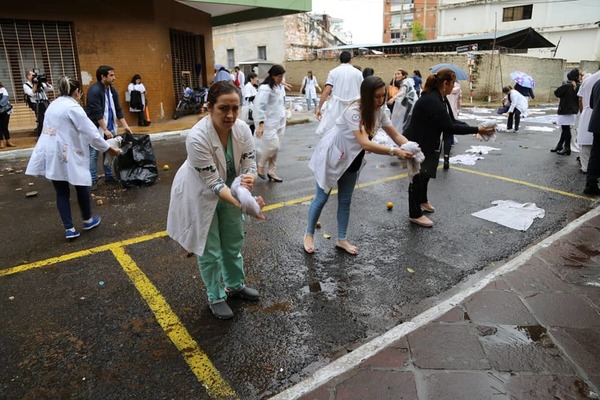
(563, 310)
(499, 307)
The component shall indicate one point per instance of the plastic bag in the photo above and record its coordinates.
(136, 165)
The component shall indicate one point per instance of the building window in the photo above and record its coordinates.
(262, 52)
(46, 45)
(230, 58)
(517, 13)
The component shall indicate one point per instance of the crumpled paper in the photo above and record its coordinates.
(113, 142)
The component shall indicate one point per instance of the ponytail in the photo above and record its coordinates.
(67, 86)
(436, 80)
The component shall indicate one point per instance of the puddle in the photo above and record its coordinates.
(516, 335)
(328, 288)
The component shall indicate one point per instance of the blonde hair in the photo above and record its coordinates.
(67, 86)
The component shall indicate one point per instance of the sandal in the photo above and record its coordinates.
(347, 247)
(309, 247)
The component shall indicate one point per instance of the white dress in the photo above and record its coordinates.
(62, 151)
(269, 107)
(584, 136)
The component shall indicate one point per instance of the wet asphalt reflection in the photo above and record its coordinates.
(79, 327)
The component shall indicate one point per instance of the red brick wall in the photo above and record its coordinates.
(132, 36)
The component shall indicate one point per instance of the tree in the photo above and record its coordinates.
(418, 32)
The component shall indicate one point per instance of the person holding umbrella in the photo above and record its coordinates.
(523, 84)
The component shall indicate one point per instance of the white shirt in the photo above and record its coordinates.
(269, 106)
(249, 90)
(518, 101)
(584, 136)
(345, 81)
(40, 95)
(140, 88)
(241, 78)
(62, 152)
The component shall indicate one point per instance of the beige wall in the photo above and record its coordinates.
(490, 73)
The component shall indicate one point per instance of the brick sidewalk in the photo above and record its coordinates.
(530, 330)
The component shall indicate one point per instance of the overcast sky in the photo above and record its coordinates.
(364, 18)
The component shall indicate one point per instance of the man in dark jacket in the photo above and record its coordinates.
(103, 108)
(593, 171)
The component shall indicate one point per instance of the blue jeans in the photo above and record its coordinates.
(313, 100)
(63, 202)
(94, 163)
(345, 189)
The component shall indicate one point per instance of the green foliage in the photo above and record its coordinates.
(418, 32)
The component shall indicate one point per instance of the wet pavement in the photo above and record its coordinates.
(529, 330)
(121, 309)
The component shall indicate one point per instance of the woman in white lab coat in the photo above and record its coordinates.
(269, 117)
(339, 157)
(204, 217)
(62, 154)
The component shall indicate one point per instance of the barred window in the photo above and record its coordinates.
(46, 45)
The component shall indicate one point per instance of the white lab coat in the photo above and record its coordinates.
(518, 101)
(140, 88)
(194, 195)
(345, 81)
(62, 152)
(338, 148)
(584, 136)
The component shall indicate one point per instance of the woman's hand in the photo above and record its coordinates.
(403, 154)
(248, 181)
(261, 204)
(259, 130)
(486, 131)
(115, 151)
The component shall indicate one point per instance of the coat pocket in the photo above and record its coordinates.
(335, 156)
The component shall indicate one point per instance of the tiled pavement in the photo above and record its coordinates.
(530, 330)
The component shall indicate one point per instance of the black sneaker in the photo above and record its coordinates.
(94, 185)
(244, 293)
(220, 309)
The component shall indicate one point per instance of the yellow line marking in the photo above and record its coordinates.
(79, 254)
(502, 178)
(198, 361)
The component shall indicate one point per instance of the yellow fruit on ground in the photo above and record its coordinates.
(390, 205)
(166, 167)
(99, 202)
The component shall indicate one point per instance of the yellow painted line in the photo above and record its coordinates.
(544, 188)
(79, 254)
(197, 360)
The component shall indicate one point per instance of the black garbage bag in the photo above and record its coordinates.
(136, 165)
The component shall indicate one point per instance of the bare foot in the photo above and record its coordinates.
(309, 243)
(347, 247)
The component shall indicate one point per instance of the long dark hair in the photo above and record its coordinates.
(135, 78)
(435, 81)
(273, 71)
(368, 87)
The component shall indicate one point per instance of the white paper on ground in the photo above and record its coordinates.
(481, 149)
(511, 214)
(465, 159)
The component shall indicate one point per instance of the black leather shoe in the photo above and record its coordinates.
(564, 152)
(244, 293)
(220, 309)
(592, 191)
(274, 179)
(446, 163)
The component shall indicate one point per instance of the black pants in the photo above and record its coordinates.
(448, 139)
(516, 114)
(4, 133)
(565, 137)
(63, 202)
(593, 170)
(141, 118)
(417, 195)
(40, 113)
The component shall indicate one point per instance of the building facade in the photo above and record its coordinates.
(277, 39)
(572, 25)
(167, 42)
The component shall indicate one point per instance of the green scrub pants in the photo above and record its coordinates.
(222, 258)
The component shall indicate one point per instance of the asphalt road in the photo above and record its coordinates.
(121, 312)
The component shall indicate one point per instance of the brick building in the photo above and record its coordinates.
(167, 42)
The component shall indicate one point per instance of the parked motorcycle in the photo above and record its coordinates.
(191, 102)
